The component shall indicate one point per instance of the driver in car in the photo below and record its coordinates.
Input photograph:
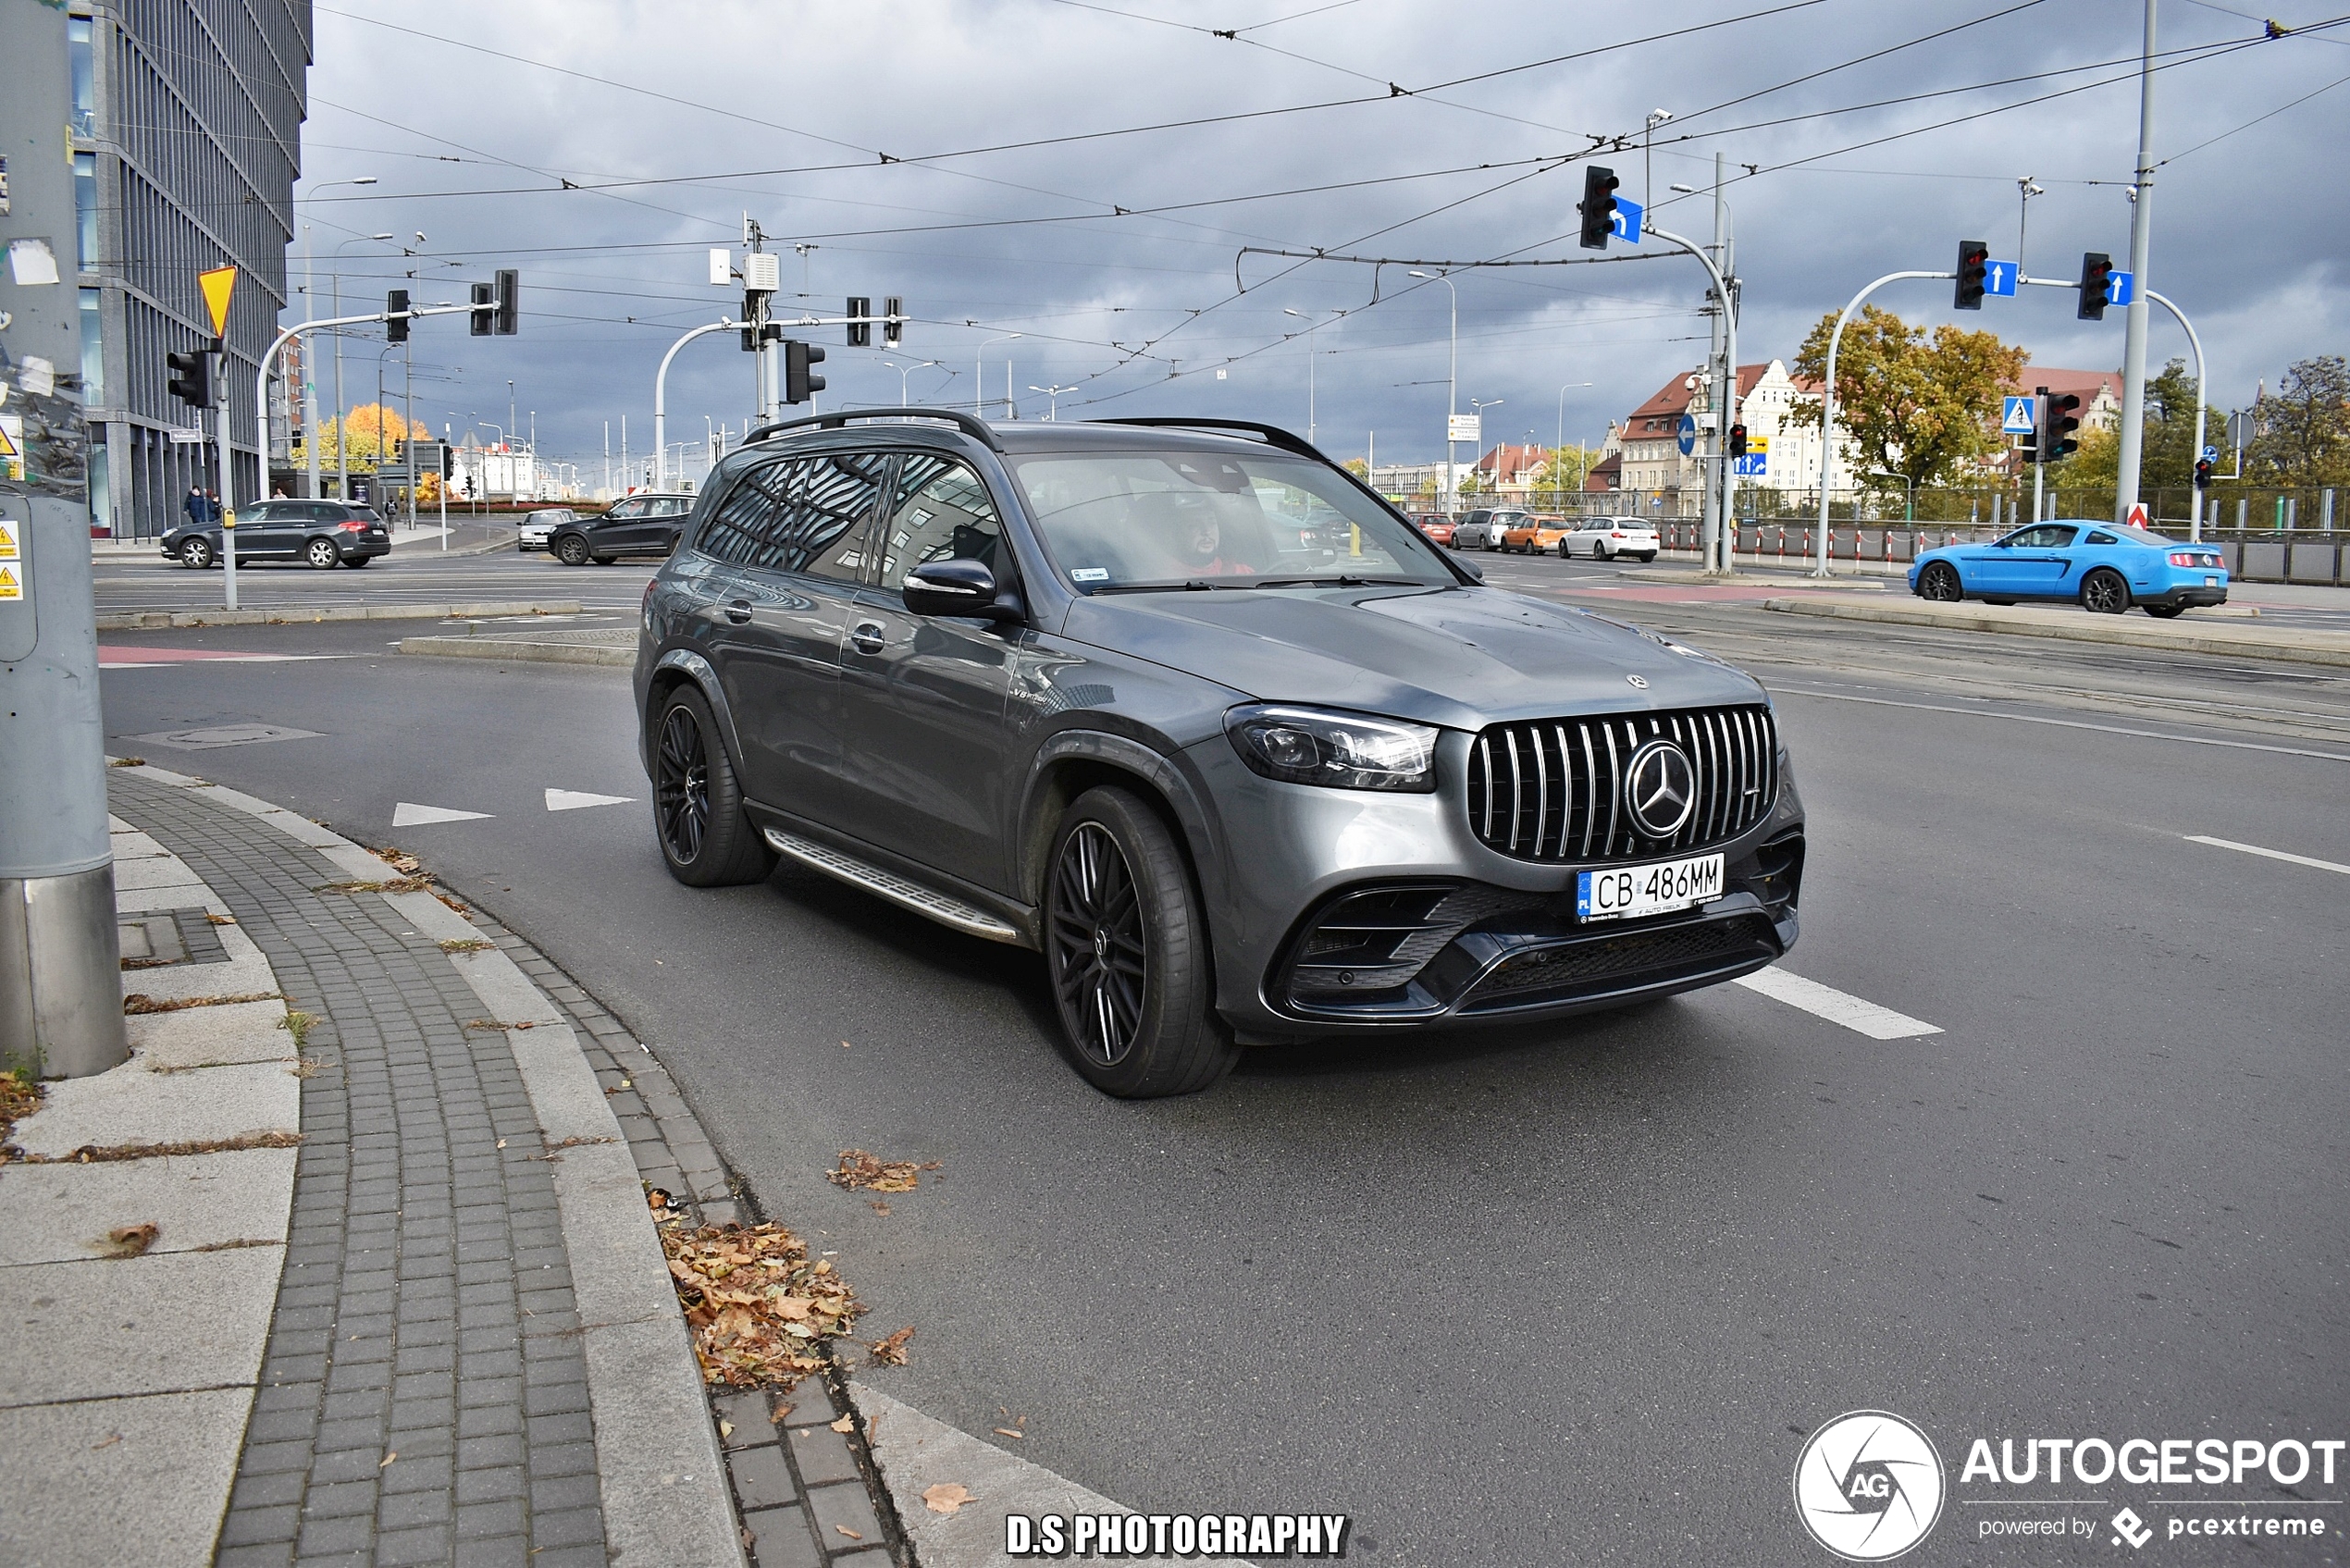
(1200, 548)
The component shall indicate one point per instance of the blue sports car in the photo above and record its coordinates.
(2102, 566)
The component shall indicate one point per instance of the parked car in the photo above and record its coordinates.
(646, 524)
(1535, 536)
(321, 534)
(1049, 685)
(1482, 528)
(538, 525)
(1436, 525)
(2103, 567)
(1604, 538)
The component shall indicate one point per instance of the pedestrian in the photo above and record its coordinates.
(212, 506)
(196, 507)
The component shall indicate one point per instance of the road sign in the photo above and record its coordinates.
(1465, 427)
(1625, 224)
(1998, 277)
(1756, 463)
(217, 285)
(1687, 434)
(2121, 288)
(2211, 454)
(2137, 518)
(2016, 415)
(186, 438)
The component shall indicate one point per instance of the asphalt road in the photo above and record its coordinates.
(1574, 1293)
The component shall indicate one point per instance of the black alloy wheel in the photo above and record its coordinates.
(197, 553)
(320, 555)
(572, 550)
(2102, 592)
(1127, 947)
(1939, 583)
(698, 806)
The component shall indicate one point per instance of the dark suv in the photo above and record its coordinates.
(641, 524)
(1185, 707)
(322, 534)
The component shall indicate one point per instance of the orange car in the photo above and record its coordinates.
(1535, 536)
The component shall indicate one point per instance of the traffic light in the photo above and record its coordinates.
(2097, 273)
(860, 330)
(2203, 473)
(894, 327)
(2056, 427)
(2028, 450)
(1974, 256)
(1738, 440)
(507, 320)
(483, 320)
(395, 316)
(1598, 206)
(798, 386)
(192, 378)
(448, 460)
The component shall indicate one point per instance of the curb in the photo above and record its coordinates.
(518, 650)
(2089, 630)
(151, 620)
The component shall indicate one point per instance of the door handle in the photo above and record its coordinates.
(867, 636)
(739, 612)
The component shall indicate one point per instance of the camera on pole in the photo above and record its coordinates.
(483, 319)
(2096, 275)
(2056, 427)
(1975, 256)
(860, 327)
(1598, 206)
(798, 384)
(396, 316)
(894, 323)
(506, 319)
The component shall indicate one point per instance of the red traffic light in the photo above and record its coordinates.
(1974, 257)
(2096, 279)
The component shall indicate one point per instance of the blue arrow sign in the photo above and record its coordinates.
(2121, 288)
(1625, 223)
(2016, 415)
(2211, 454)
(1687, 434)
(1998, 277)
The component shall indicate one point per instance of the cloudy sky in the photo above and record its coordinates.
(1088, 176)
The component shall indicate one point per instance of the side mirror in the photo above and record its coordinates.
(958, 587)
(1471, 567)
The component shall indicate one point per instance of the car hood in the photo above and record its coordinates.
(1463, 657)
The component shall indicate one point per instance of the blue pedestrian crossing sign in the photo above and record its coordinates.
(1998, 277)
(2016, 415)
(2121, 288)
(1625, 222)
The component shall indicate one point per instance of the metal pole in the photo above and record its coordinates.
(1711, 552)
(660, 395)
(2134, 350)
(2194, 527)
(2040, 418)
(342, 409)
(229, 477)
(309, 376)
(1828, 400)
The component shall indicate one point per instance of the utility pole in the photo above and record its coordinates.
(60, 964)
(2134, 342)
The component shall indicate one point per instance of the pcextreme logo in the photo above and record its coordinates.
(1869, 1485)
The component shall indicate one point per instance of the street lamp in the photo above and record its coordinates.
(1451, 393)
(1310, 326)
(979, 386)
(1480, 408)
(904, 371)
(1562, 441)
(1647, 172)
(310, 381)
(1053, 405)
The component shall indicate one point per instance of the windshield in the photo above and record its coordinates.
(1170, 519)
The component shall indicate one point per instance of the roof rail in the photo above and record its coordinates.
(970, 425)
(1272, 435)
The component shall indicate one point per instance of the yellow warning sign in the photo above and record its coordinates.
(7, 541)
(8, 446)
(219, 284)
(10, 588)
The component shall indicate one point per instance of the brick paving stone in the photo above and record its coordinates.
(780, 1538)
(844, 1507)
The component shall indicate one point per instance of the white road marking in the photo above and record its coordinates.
(2272, 854)
(407, 815)
(1826, 1001)
(2065, 723)
(572, 799)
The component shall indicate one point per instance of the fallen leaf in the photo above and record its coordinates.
(388, 1458)
(946, 1497)
(1007, 1432)
(846, 1424)
(501, 1142)
(877, 1205)
(849, 1533)
(892, 1351)
(860, 1170)
(129, 1240)
(725, 1430)
(111, 1439)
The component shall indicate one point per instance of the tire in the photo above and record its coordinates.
(705, 839)
(320, 555)
(605, 559)
(1939, 583)
(1601, 552)
(197, 555)
(1648, 557)
(356, 562)
(1564, 553)
(2166, 611)
(572, 550)
(1126, 947)
(2105, 592)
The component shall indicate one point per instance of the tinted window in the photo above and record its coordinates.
(2100, 537)
(627, 509)
(941, 511)
(2142, 537)
(799, 514)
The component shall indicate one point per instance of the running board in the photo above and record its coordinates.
(943, 908)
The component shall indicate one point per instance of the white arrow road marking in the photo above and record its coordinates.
(572, 800)
(406, 815)
(1826, 1001)
(2272, 854)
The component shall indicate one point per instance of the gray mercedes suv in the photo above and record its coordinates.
(1184, 706)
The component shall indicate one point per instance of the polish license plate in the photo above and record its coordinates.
(2210, 582)
(1634, 891)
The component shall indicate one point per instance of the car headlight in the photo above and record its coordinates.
(1313, 746)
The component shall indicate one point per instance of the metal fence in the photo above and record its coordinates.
(2227, 509)
(2255, 556)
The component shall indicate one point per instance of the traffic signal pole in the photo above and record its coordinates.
(2134, 342)
(1715, 560)
(661, 397)
(1827, 403)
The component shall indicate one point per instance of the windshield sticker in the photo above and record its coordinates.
(1089, 574)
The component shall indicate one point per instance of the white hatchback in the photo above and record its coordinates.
(538, 526)
(1604, 538)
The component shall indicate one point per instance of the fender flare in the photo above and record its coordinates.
(1203, 836)
(699, 670)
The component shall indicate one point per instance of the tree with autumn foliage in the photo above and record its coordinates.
(369, 436)
(1921, 409)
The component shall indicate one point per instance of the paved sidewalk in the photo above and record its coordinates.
(440, 1331)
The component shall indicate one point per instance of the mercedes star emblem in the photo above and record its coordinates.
(1660, 788)
(1639, 681)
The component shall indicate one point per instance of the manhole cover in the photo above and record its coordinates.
(225, 735)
